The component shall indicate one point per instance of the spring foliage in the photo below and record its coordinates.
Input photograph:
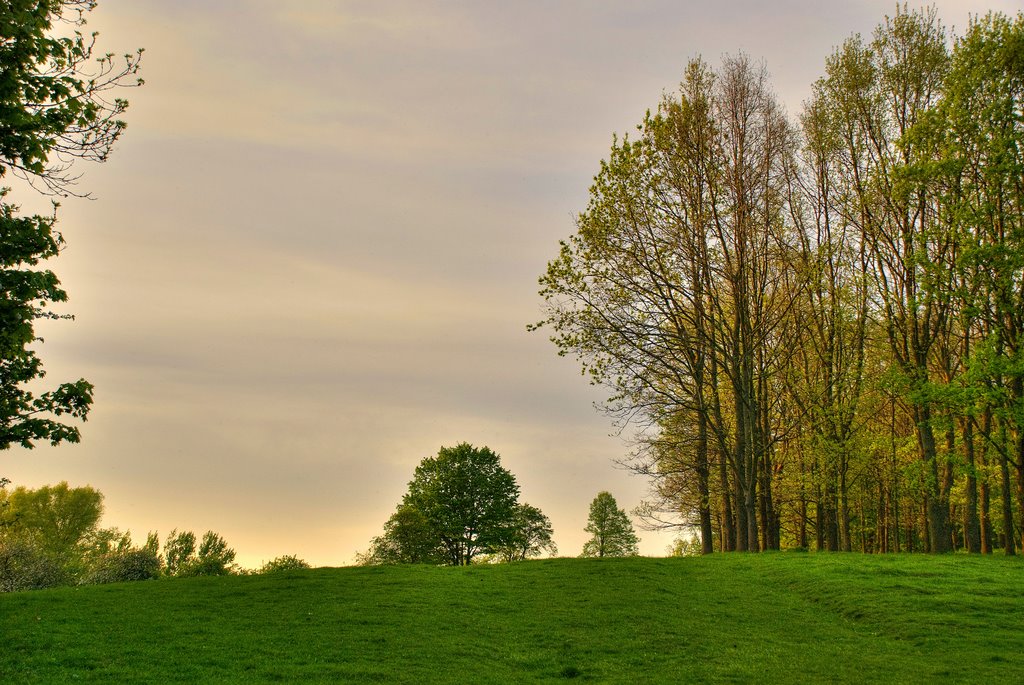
(56, 107)
(818, 322)
(461, 504)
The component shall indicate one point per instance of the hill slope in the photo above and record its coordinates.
(725, 618)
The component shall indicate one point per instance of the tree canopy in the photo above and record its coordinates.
(612, 534)
(57, 518)
(817, 322)
(459, 505)
(56, 106)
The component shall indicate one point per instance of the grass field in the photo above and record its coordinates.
(726, 618)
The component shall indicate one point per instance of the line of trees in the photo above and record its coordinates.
(819, 323)
(50, 536)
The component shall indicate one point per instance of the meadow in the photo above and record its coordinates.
(783, 617)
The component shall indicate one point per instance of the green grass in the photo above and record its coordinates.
(727, 618)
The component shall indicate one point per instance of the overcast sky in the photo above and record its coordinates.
(311, 261)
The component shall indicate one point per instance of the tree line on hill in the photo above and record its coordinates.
(818, 324)
(462, 506)
(50, 536)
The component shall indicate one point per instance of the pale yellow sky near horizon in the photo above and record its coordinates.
(311, 261)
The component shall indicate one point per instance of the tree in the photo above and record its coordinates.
(467, 498)
(612, 532)
(55, 108)
(818, 331)
(674, 288)
(878, 92)
(214, 557)
(179, 549)
(531, 535)
(408, 538)
(24, 566)
(460, 504)
(977, 134)
(55, 97)
(58, 518)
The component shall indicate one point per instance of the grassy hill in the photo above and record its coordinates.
(726, 618)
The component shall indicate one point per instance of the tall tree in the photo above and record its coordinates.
(674, 288)
(979, 173)
(877, 93)
(612, 534)
(56, 107)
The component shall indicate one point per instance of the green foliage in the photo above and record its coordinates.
(111, 557)
(213, 557)
(467, 500)
(531, 535)
(55, 102)
(55, 108)
(123, 566)
(408, 538)
(461, 506)
(25, 295)
(610, 528)
(283, 563)
(870, 619)
(58, 519)
(179, 550)
(685, 547)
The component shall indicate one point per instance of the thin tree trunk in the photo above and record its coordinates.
(972, 527)
(844, 505)
(703, 486)
(1009, 546)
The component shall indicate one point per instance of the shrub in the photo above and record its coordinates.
(124, 566)
(284, 563)
(24, 566)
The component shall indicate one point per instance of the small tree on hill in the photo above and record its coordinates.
(461, 504)
(531, 535)
(408, 538)
(612, 532)
(178, 550)
(467, 498)
(214, 557)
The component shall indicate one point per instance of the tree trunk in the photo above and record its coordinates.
(938, 509)
(728, 519)
(972, 527)
(704, 491)
(844, 505)
(1009, 546)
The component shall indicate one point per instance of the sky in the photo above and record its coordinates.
(312, 258)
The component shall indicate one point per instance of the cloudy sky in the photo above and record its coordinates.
(311, 260)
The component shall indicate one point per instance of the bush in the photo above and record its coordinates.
(685, 547)
(208, 566)
(24, 566)
(284, 563)
(125, 566)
